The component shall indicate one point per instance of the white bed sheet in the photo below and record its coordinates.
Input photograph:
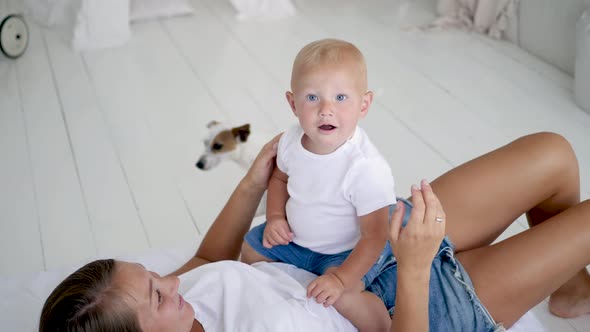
(22, 297)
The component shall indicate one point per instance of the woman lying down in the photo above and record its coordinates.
(431, 285)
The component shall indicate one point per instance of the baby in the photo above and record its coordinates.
(328, 199)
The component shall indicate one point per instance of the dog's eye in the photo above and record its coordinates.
(217, 146)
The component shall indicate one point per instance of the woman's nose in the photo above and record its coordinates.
(172, 284)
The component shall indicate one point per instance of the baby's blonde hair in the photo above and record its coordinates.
(328, 51)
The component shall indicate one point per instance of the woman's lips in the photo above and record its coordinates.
(180, 302)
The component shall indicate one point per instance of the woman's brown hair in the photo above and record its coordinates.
(88, 301)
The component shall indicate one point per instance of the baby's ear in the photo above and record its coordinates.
(367, 101)
(291, 100)
(241, 132)
(212, 123)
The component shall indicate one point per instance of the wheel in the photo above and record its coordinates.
(14, 36)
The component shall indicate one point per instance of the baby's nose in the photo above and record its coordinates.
(326, 110)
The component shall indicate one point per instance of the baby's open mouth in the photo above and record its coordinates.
(327, 127)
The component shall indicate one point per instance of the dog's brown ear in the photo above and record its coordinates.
(241, 132)
(212, 123)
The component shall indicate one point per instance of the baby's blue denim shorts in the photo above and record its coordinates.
(309, 260)
(453, 304)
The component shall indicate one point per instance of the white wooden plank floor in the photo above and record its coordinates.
(99, 147)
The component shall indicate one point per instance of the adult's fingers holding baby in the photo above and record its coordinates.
(263, 165)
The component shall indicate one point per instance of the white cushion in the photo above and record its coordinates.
(263, 9)
(150, 9)
(101, 24)
(50, 12)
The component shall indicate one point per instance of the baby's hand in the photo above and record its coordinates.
(326, 289)
(277, 232)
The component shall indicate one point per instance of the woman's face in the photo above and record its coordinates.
(156, 300)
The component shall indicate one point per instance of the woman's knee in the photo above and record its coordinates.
(556, 144)
(555, 152)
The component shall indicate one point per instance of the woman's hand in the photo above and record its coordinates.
(416, 244)
(261, 169)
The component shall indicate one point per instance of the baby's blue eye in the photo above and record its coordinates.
(341, 97)
(312, 97)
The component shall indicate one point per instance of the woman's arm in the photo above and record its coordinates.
(414, 247)
(224, 238)
(411, 302)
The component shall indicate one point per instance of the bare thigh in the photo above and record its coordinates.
(514, 275)
(537, 175)
(251, 256)
(482, 197)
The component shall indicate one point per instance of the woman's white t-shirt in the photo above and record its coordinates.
(233, 296)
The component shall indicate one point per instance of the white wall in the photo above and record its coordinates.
(547, 29)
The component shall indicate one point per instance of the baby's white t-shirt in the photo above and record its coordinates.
(233, 296)
(328, 193)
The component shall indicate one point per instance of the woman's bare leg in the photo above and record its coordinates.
(537, 175)
(251, 256)
(514, 275)
(481, 198)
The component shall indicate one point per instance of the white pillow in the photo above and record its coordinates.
(263, 9)
(101, 24)
(150, 9)
(50, 12)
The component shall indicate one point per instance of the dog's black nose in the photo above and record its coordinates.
(200, 164)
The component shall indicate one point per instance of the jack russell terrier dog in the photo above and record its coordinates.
(235, 144)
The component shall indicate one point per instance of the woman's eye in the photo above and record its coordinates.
(341, 97)
(159, 296)
(312, 97)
